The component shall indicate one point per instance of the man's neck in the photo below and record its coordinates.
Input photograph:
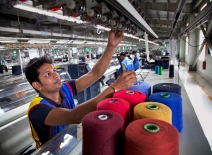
(54, 96)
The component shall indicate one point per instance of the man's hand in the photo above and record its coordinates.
(115, 37)
(125, 80)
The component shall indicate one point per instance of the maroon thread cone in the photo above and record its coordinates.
(151, 137)
(103, 133)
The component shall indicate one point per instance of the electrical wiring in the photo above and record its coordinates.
(192, 45)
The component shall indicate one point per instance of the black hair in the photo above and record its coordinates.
(134, 52)
(122, 54)
(31, 70)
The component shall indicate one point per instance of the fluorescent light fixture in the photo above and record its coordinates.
(38, 41)
(50, 13)
(8, 41)
(108, 29)
(203, 6)
(130, 35)
(148, 41)
(78, 42)
(63, 41)
(102, 27)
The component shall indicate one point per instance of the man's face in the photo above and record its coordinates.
(49, 78)
(122, 57)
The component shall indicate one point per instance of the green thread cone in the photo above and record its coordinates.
(160, 70)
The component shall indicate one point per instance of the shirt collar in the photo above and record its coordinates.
(53, 102)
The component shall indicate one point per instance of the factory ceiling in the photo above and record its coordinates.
(158, 18)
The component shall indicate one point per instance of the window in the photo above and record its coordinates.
(186, 46)
(203, 6)
(201, 39)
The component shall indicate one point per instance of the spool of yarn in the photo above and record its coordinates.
(156, 66)
(141, 86)
(117, 105)
(174, 102)
(5, 68)
(167, 87)
(171, 71)
(160, 70)
(153, 110)
(156, 62)
(160, 63)
(132, 96)
(1, 69)
(97, 56)
(151, 137)
(16, 70)
(156, 69)
(103, 133)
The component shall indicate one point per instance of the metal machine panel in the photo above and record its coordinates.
(69, 141)
(76, 71)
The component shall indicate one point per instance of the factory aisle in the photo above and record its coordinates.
(199, 90)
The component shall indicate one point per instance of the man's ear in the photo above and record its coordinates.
(36, 85)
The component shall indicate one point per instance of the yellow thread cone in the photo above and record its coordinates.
(153, 110)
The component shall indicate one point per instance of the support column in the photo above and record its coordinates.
(177, 48)
(41, 52)
(173, 51)
(147, 46)
(193, 40)
(20, 60)
(70, 53)
(182, 49)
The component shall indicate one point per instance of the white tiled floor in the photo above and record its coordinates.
(199, 91)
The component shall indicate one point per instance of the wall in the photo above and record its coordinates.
(182, 49)
(186, 56)
(207, 72)
(208, 58)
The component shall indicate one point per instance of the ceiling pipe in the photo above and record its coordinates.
(177, 15)
(201, 18)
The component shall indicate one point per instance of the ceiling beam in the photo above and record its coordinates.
(167, 6)
(162, 11)
(163, 17)
(158, 17)
(163, 28)
(164, 1)
(201, 18)
(163, 7)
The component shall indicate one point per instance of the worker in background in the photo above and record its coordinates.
(54, 107)
(3, 64)
(135, 60)
(126, 63)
